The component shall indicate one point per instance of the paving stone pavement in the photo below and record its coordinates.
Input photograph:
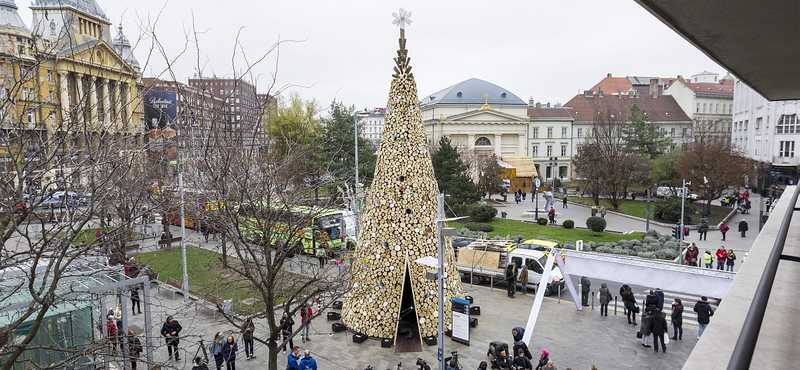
(574, 338)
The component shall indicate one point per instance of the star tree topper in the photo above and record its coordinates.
(402, 19)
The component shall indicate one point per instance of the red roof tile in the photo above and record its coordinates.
(725, 88)
(662, 108)
(549, 113)
(611, 85)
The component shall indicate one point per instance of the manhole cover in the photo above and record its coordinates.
(627, 351)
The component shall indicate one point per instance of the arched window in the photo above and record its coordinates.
(482, 141)
(459, 94)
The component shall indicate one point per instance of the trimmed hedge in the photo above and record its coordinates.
(596, 224)
(568, 224)
(542, 221)
(479, 226)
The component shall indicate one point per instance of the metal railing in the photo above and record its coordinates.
(748, 337)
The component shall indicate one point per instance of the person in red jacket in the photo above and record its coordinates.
(111, 332)
(722, 256)
(305, 316)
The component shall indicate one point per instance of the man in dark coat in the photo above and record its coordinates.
(287, 329)
(704, 313)
(651, 301)
(630, 304)
(521, 360)
(511, 278)
(677, 319)
(658, 326)
(586, 287)
(743, 228)
(659, 298)
(171, 331)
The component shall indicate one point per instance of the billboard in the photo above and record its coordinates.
(161, 112)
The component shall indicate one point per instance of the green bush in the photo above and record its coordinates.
(483, 213)
(669, 209)
(568, 224)
(479, 226)
(596, 224)
(541, 221)
(457, 210)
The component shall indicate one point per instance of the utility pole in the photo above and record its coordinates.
(683, 203)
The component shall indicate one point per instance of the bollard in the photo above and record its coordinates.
(592, 301)
(615, 305)
(559, 296)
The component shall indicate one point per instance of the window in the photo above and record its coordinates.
(746, 123)
(459, 94)
(549, 150)
(580, 132)
(563, 132)
(685, 132)
(717, 108)
(704, 107)
(787, 124)
(698, 108)
(758, 123)
(535, 150)
(24, 93)
(50, 76)
(563, 150)
(535, 133)
(482, 141)
(32, 116)
(672, 132)
(50, 96)
(549, 132)
(52, 115)
(787, 149)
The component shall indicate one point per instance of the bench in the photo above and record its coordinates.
(131, 248)
(211, 302)
(172, 285)
(168, 242)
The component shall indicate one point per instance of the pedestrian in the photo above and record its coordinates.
(511, 278)
(621, 292)
(286, 324)
(564, 202)
(647, 317)
(543, 360)
(605, 297)
(703, 230)
(633, 196)
(229, 350)
(216, 349)
(524, 195)
(704, 313)
(629, 300)
(651, 302)
(308, 362)
(305, 318)
(659, 298)
(118, 315)
(502, 361)
(111, 332)
(658, 328)
(722, 256)
(198, 364)
(523, 279)
(521, 362)
(690, 255)
(594, 211)
(248, 327)
(723, 229)
(550, 366)
(586, 287)
(483, 366)
(708, 259)
(135, 300)
(743, 227)
(730, 260)
(321, 254)
(552, 215)
(677, 319)
(603, 211)
(205, 233)
(171, 331)
(517, 197)
(293, 360)
(497, 346)
(134, 348)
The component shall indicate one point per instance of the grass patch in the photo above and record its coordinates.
(639, 209)
(508, 227)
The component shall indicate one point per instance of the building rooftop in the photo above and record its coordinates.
(9, 16)
(89, 7)
(475, 92)
(547, 112)
(662, 108)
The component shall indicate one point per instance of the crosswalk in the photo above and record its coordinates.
(688, 302)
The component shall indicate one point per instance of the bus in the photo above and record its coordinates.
(313, 227)
(199, 208)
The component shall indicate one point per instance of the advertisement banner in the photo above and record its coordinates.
(460, 320)
(161, 112)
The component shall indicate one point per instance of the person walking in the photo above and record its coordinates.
(743, 228)
(724, 229)
(229, 353)
(135, 349)
(111, 332)
(708, 259)
(603, 211)
(286, 323)
(703, 230)
(677, 319)
(552, 215)
(248, 327)
(605, 297)
(658, 328)
(622, 290)
(722, 256)
(511, 278)
(523, 279)
(171, 331)
(704, 313)
(564, 202)
(586, 287)
(629, 300)
(216, 349)
(293, 360)
(305, 318)
(135, 300)
(730, 260)
(517, 197)
(690, 256)
(594, 210)
(308, 362)
(199, 364)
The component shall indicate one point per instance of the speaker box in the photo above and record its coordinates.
(386, 342)
(338, 327)
(473, 322)
(337, 305)
(431, 341)
(359, 338)
(469, 298)
(448, 333)
(475, 310)
(333, 316)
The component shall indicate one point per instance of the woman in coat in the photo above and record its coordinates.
(216, 349)
(708, 259)
(523, 279)
(229, 353)
(645, 327)
(630, 304)
(730, 260)
(604, 299)
(677, 319)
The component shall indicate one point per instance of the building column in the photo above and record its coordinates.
(521, 151)
(470, 142)
(63, 80)
(79, 98)
(497, 144)
(93, 99)
(104, 91)
(128, 104)
(116, 105)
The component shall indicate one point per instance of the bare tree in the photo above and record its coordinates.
(714, 167)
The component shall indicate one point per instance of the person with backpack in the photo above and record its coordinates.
(229, 350)
(724, 230)
(308, 362)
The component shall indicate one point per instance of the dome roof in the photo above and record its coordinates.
(123, 47)
(473, 92)
(89, 7)
(9, 16)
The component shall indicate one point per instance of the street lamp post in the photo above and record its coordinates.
(680, 242)
(647, 222)
(554, 168)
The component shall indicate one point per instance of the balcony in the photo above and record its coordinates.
(785, 160)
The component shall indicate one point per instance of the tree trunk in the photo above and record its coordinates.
(224, 252)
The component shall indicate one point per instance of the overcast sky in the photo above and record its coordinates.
(343, 50)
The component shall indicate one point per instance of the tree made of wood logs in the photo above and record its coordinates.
(398, 225)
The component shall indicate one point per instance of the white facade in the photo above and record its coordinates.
(709, 102)
(372, 125)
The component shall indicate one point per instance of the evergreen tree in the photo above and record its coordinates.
(492, 176)
(452, 174)
(645, 137)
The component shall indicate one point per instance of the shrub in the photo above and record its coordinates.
(568, 245)
(518, 239)
(568, 224)
(483, 213)
(541, 221)
(479, 226)
(596, 224)
(650, 239)
(669, 209)
(651, 232)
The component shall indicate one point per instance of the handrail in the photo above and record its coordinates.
(746, 343)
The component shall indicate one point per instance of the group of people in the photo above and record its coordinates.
(514, 274)
(519, 195)
(602, 211)
(519, 358)
(726, 258)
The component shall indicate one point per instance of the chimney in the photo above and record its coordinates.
(600, 92)
(538, 105)
(530, 102)
(608, 74)
(654, 87)
(588, 93)
(619, 93)
(548, 104)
